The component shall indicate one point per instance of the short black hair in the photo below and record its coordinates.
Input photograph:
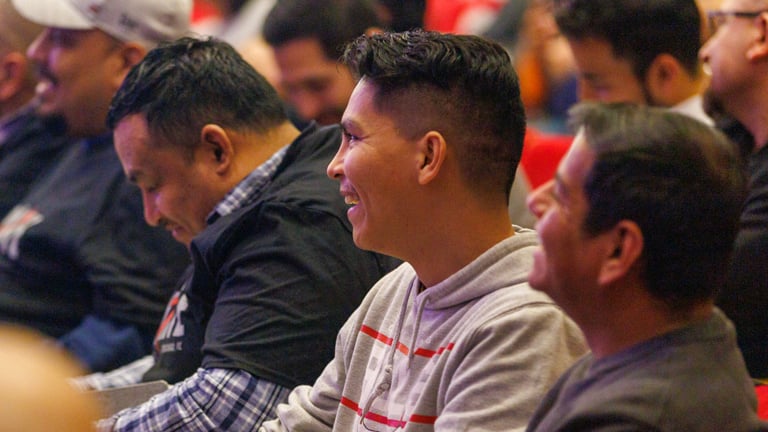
(183, 85)
(462, 86)
(332, 23)
(679, 180)
(637, 30)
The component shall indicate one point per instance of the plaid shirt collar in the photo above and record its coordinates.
(249, 187)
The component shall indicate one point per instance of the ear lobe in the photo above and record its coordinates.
(432, 153)
(216, 147)
(623, 251)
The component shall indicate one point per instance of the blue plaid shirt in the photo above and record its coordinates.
(212, 399)
(247, 189)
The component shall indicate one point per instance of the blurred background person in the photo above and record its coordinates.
(736, 56)
(29, 145)
(307, 36)
(77, 262)
(643, 52)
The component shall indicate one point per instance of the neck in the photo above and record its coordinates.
(261, 147)
(681, 90)
(751, 110)
(456, 236)
(627, 325)
(757, 124)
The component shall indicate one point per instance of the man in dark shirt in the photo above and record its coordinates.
(76, 260)
(737, 57)
(28, 145)
(636, 231)
(275, 271)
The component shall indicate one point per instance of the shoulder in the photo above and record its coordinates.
(301, 182)
(669, 389)
(315, 143)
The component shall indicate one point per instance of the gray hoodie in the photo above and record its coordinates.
(475, 352)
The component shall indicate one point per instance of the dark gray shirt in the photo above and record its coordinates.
(691, 379)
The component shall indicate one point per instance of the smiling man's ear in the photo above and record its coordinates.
(432, 153)
(217, 147)
(623, 251)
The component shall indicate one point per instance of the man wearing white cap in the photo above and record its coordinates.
(76, 259)
(28, 145)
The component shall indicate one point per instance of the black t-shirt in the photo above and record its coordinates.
(274, 281)
(77, 244)
(29, 150)
(179, 339)
(744, 299)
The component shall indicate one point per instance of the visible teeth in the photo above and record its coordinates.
(351, 201)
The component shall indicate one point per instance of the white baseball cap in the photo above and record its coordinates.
(146, 21)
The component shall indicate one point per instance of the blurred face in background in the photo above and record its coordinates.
(78, 73)
(316, 86)
(726, 54)
(604, 77)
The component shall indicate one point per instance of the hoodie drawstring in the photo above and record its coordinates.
(386, 381)
(419, 311)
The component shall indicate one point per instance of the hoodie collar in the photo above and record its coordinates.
(511, 256)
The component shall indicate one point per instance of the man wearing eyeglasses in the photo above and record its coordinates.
(737, 57)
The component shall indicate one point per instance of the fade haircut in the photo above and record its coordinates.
(181, 86)
(679, 180)
(637, 30)
(462, 86)
(332, 23)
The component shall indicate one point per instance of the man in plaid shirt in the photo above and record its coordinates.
(275, 271)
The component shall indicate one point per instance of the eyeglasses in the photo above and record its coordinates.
(717, 17)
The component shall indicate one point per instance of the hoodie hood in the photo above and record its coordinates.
(515, 252)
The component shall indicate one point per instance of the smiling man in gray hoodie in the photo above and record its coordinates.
(454, 339)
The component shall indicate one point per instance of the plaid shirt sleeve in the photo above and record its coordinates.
(211, 399)
(131, 373)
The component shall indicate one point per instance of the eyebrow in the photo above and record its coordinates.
(347, 124)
